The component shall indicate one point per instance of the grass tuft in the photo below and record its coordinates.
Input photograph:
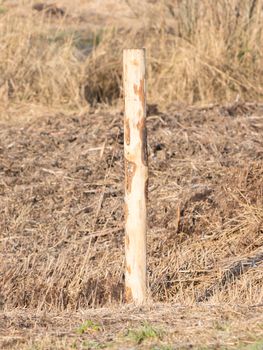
(144, 332)
(88, 327)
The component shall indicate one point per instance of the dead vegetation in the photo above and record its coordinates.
(198, 52)
(160, 327)
(62, 208)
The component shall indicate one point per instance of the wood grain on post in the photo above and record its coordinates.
(136, 175)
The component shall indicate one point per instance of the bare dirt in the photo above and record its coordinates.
(61, 214)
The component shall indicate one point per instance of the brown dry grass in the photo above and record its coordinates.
(198, 52)
(62, 209)
(165, 327)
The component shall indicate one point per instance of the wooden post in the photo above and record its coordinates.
(136, 175)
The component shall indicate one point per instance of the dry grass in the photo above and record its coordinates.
(198, 52)
(160, 327)
(62, 209)
(37, 63)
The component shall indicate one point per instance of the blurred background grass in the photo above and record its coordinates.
(198, 52)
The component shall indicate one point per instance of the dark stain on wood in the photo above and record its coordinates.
(130, 168)
(127, 131)
(140, 91)
(143, 135)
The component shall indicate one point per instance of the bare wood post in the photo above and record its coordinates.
(136, 175)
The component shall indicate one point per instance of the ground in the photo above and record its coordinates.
(155, 327)
(62, 230)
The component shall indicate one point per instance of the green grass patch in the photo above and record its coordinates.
(88, 327)
(258, 345)
(3, 10)
(145, 332)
